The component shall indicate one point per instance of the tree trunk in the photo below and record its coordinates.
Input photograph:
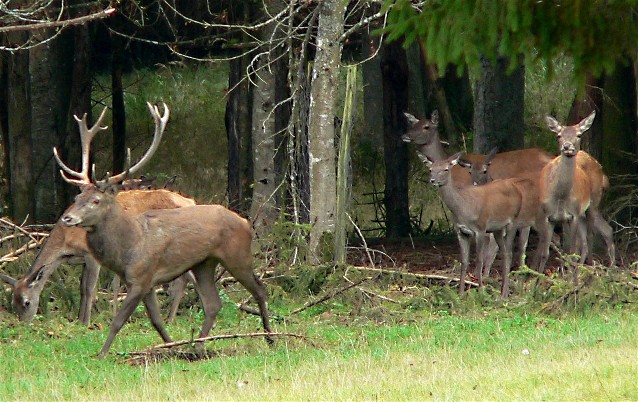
(372, 94)
(4, 130)
(321, 128)
(499, 107)
(238, 115)
(586, 100)
(619, 122)
(395, 102)
(80, 103)
(118, 109)
(19, 128)
(264, 207)
(50, 70)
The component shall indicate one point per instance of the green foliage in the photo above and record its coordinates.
(595, 34)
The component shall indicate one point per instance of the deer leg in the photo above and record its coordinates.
(153, 311)
(490, 254)
(133, 298)
(480, 270)
(602, 227)
(176, 290)
(507, 239)
(115, 289)
(464, 244)
(205, 277)
(545, 231)
(88, 288)
(257, 289)
(523, 239)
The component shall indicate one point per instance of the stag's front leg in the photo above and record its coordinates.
(88, 288)
(153, 311)
(133, 298)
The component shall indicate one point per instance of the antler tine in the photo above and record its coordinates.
(160, 126)
(86, 136)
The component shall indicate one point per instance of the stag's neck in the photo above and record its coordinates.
(112, 240)
(434, 151)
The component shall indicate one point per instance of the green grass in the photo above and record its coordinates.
(402, 355)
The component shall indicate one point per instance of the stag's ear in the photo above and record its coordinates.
(411, 119)
(586, 123)
(553, 124)
(435, 118)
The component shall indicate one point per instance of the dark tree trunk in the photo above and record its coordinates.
(588, 99)
(499, 107)
(619, 122)
(282, 118)
(50, 71)
(458, 92)
(19, 128)
(80, 104)
(238, 128)
(395, 97)
(4, 131)
(119, 111)
(301, 155)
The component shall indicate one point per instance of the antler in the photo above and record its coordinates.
(86, 136)
(160, 126)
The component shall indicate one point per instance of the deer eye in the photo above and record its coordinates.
(96, 201)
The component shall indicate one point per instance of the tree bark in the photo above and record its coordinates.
(395, 102)
(321, 128)
(499, 107)
(586, 100)
(117, 104)
(19, 128)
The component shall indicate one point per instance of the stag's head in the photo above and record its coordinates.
(422, 132)
(97, 196)
(569, 136)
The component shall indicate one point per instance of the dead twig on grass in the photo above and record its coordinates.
(226, 336)
(415, 275)
(329, 296)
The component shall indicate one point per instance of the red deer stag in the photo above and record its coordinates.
(68, 245)
(495, 208)
(571, 190)
(158, 246)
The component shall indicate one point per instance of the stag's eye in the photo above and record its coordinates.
(96, 201)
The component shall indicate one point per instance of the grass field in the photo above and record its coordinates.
(378, 351)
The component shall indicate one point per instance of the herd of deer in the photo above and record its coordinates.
(492, 197)
(153, 237)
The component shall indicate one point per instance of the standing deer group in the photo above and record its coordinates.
(496, 195)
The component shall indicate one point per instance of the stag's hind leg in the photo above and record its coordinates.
(205, 285)
(243, 272)
(153, 311)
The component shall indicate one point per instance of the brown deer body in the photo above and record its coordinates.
(157, 246)
(69, 244)
(479, 211)
(571, 190)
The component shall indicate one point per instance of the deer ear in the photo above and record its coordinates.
(435, 117)
(586, 123)
(424, 158)
(411, 119)
(465, 163)
(553, 124)
(454, 159)
(490, 156)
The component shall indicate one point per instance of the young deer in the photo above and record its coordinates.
(480, 210)
(571, 190)
(425, 135)
(158, 246)
(69, 245)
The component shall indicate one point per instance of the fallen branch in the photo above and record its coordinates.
(415, 275)
(328, 296)
(369, 293)
(221, 337)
